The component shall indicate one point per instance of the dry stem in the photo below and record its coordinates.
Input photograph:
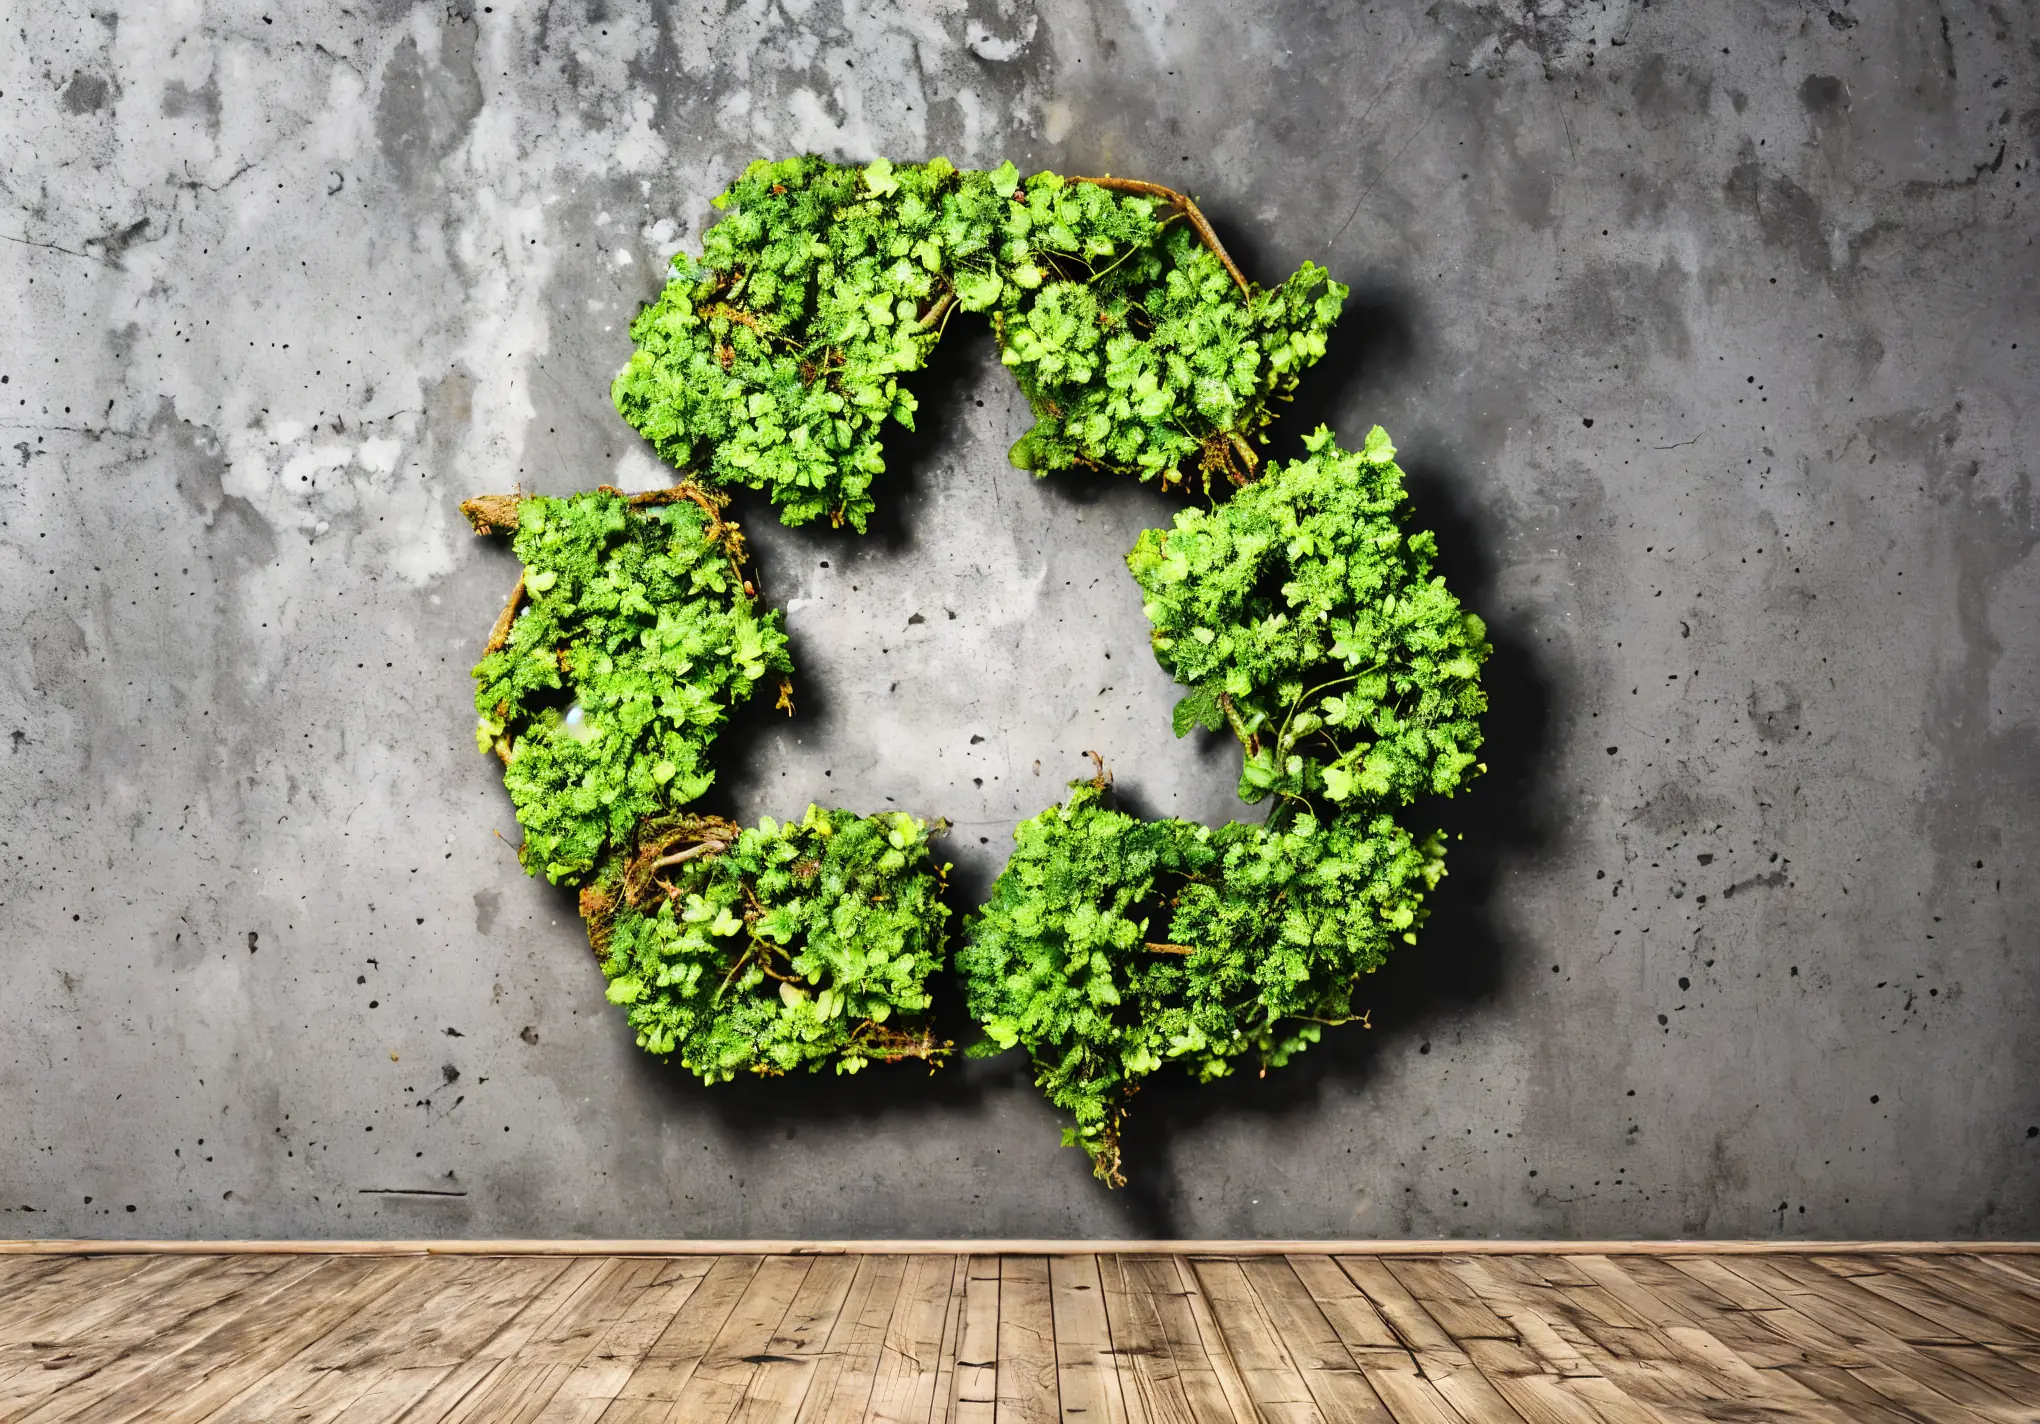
(656, 841)
(891, 1045)
(499, 635)
(681, 857)
(1189, 209)
(598, 912)
(938, 311)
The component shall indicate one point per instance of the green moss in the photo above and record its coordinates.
(774, 359)
(636, 636)
(787, 946)
(1303, 615)
(1160, 363)
(1305, 618)
(1113, 946)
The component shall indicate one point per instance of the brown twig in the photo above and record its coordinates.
(1247, 456)
(598, 911)
(744, 318)
(733, 972)
(938, 311)
(891, 1045)
(711, 503)
(766, 965)
(1105, 1162)
(753, 911)
(1160, 947)
(656, 838)
(1360, 1019)
(497, 513)
(681, 857)
(1183, 203)
(499, 636)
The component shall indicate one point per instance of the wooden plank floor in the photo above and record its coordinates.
(1122, 1338)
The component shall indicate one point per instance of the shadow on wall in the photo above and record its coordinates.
(1460, 955)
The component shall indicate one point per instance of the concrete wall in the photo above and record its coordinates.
(1707, 332)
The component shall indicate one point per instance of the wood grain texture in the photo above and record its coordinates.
(1442, 1360)
(974, 1396)
(849, 1367)
(66, 1346)
(1076, 1337)
(1337, 1385)
(904, 1390)
(1027, 1391)
(1087, 1372)
(733, 1359)
(1274, 1384)
(787, 1371)
(952, 1333)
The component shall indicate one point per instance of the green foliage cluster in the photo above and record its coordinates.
(636, 635)
(1112, 946)
(1302, 614)
(1160, 360)
(775, 358)
(632, 634)
(783, 946)
(1305, 617)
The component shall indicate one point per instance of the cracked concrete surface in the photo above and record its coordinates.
(1707, 333)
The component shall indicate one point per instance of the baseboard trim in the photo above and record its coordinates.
(1017, 1247)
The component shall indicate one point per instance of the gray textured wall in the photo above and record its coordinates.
(1708, 334)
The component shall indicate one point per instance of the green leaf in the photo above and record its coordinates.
(878, 177)
(1023, 454)
(1199, 709)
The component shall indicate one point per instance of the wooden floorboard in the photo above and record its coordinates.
(1589, 1336)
